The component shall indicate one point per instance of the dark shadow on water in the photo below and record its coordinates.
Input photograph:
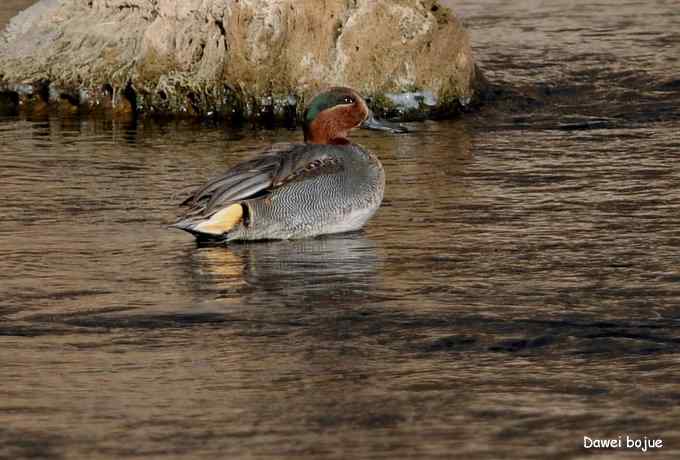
(30, 444)
(330, 290)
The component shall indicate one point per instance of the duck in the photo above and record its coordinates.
(324, 185)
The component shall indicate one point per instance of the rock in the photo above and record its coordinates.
(238, 58)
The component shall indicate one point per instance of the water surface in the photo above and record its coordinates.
(518, 290)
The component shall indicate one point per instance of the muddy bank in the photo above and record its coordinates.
(253, 59)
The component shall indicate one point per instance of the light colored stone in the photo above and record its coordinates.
(250, 56)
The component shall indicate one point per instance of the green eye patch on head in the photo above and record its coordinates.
(328, 100)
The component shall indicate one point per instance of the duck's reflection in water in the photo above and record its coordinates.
(300, 323)
(331, 271)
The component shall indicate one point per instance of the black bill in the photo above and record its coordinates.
(377, 124)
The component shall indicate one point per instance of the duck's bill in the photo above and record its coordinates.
(377, 124)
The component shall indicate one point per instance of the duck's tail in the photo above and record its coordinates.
(216, 225)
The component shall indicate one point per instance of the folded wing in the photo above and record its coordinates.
(277, 166)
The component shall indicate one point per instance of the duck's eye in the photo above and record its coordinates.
(348, 100)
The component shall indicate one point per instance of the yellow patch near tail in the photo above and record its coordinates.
(222, 221)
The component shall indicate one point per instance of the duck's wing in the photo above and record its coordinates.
(241, 181)
(278, 165)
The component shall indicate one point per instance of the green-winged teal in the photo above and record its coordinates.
(325, 185)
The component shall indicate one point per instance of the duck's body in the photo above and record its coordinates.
(290, 191)
(295, 191)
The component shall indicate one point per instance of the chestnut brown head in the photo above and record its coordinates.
(332, 114)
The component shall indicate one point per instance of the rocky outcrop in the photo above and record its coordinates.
(236, 58)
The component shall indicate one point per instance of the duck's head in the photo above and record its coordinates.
(332, 114)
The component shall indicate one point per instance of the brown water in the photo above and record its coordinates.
(518, 290)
